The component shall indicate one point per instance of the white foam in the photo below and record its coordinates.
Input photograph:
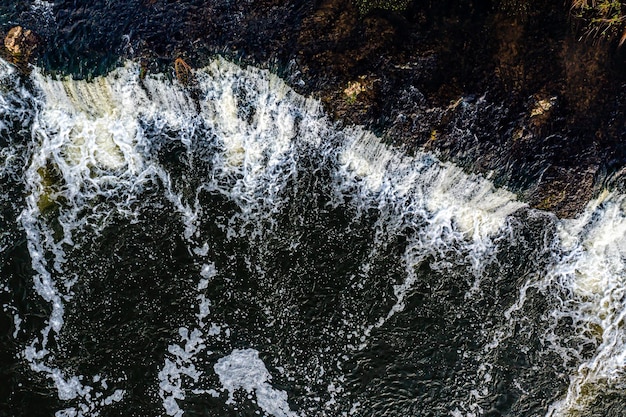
(181, 361)
(17, 320)
(43, 8)
(594, 271)
(243, 369)
(171, 387)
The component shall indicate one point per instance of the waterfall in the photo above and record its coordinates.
(225, 246)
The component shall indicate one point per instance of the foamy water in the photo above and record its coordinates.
(257, 167)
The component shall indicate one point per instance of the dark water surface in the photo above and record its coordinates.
(89, 38)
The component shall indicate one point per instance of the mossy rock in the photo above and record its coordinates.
(50, 180)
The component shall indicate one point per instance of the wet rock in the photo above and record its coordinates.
(20, 43)
(509, 69)
(542, 106)
(183, 71)
(587, 84)
(564, 191)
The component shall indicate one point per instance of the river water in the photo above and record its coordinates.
(224, 249)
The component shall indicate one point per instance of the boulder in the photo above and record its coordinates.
(20, 43)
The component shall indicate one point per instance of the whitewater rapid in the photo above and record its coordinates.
(302, 253)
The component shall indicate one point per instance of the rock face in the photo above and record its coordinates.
(20, 43)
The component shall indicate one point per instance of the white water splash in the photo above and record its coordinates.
(244, 370)
(594, 272)
(43, 8)
(171, 375)
(181, 361)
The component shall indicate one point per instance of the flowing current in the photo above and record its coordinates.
(224, 249)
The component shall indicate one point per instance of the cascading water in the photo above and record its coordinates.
(224, 249)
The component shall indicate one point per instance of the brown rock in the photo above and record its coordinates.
(20, 43)
(564, 191)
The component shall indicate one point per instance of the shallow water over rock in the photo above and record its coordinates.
(415, 67)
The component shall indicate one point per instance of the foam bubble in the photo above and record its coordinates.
(243, 369)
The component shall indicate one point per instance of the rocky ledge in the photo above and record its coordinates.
(510, 89)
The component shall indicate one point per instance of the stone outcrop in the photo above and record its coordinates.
(20, 43)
